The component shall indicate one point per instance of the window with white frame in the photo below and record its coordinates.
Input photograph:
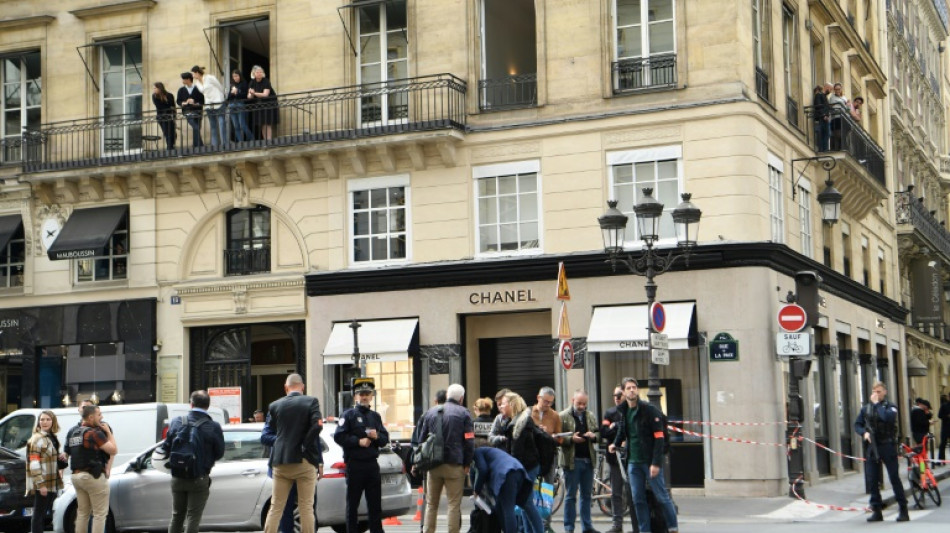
(20, 77)
(776, 198)
(120, 101)
(762, 47)
(111, 266)
(508, 212)
(383, 57)
(379, 219)
(804, 217)
(658, 168)
(12, 260)
(645, 43)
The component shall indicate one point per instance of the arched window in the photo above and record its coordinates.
(248, 250)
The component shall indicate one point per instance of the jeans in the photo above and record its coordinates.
(242, 132)
(189, 497)
(533, 521)
(92, 496)
(41, 504)
(218, 121)
(452, 477)
(505, 501)
(888, 455)
(167, 125)
(616, 493)
(580, 477)
(638, 474)
(194, 120)
(823, 130)
(305, 474)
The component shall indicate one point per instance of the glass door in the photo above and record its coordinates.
(383, 63)
(121, 97)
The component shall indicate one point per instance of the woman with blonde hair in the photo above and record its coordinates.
(522, 437)
(43, 465)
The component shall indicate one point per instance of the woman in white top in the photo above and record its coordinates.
(215, 105)
(839, 108)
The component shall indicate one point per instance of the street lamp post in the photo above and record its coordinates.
(358, 368)
(651, 262)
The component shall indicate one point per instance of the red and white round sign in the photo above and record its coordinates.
(792, 318)
(567, 354)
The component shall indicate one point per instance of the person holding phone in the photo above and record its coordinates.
(577, 460)
(91, 447)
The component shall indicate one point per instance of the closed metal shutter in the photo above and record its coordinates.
(522, 364)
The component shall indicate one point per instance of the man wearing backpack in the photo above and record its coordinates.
(193, 444)
(642, 428)
(296, 420)
(90, 446)
(458, 436)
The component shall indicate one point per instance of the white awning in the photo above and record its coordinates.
(379, 340)
(623, 328)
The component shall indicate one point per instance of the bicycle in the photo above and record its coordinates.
(921, 477)
(602, 491)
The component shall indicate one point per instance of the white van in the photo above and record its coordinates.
(136, 426)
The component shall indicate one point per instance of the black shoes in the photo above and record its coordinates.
(902, 516)
(876, 516)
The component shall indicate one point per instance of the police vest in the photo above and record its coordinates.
(883, 431)
(82, 458)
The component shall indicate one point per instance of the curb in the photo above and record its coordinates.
(891, 499)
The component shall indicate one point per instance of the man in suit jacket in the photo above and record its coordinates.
(192, 102)
(296, 421)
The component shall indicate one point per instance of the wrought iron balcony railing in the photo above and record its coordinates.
(509, 92)
(762, 88)
(791, 111)
(240, 262)
(655, 72)
(910, 210)
(396, 106)
(846, 135)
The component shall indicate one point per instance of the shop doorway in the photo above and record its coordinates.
(521, 364)
(255, 357)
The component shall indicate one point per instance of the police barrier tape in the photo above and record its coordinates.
(824, 505)
(706, 423)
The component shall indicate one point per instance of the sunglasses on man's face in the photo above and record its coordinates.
(618, 395)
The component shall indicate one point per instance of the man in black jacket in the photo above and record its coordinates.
(361, 434)
(944, 415)
(608, 430)
(192, 102)
(458, 434)
(641, 426)
(821, 112)
(190, 489)
(296, 421)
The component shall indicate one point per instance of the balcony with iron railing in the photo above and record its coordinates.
(643, 73)
(509, 92)
(913, 219)
(939, 331)
(846, 135)
(395, 107)
(791, 111)
(241, 262)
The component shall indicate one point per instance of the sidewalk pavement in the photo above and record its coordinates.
(695, 509)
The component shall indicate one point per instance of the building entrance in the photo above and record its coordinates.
(521, 364)
(254, 357)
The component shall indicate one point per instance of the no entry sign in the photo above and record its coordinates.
(791, 318)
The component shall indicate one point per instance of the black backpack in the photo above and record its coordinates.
(185, 453)
(430, 453)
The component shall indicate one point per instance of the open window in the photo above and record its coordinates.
(239, 45)
(645, 45)
(382, 50)
(115, 68)
(509, 70)
(20, 78)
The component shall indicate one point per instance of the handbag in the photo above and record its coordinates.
(543, 498)
(430, 453)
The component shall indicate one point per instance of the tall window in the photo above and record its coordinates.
(791, 53)
(12, 258)
(762, 47)
(383, 57)
(804, 217)
(865, 262)
(248, 249)
(881, 271)
(645, 44)
(113, 265)
(509, 62)
(509, 207)
(379, 210)
(21, 79)
(776, 199)
(121, 94)
(658, 168)
(846, 248)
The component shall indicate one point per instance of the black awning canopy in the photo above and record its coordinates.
(87, 233)
(9, 224)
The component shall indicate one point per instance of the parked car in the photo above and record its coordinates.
(15, 507)
(141, 498)
(136, 425)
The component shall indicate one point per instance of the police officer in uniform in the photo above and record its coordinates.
(361, 434)
(877, 425)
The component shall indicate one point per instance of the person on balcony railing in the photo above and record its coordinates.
(263, 100)
(192, 102)
(214, 102)
(237, 96)
(840, 106)
(822, 116)
(164, 104)
(856, 108)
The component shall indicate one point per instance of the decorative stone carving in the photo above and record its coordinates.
(439, 356)
(240, 300)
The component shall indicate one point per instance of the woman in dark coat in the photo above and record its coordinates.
(164, 103)
(237, 100)
(263, 100)
(506, 480)
(521, 442)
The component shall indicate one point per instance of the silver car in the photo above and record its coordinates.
(141, 498)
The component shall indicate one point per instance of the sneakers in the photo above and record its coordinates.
(876, 516)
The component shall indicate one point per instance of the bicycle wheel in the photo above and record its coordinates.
(918, 493)
(934, 493)
(559, 490)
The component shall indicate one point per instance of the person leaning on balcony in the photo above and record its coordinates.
(164, 104)
(856, 108)
(237, 99)
(192, 102)
(822, 116)
(215, 106)
(261, 94)
(839, 106)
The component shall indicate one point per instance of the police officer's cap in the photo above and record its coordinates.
(363, 385)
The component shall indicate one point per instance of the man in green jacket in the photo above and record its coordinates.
(578, 453)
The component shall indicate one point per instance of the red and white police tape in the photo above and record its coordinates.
(826, 506)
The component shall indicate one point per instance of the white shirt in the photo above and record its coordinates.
(212, 89)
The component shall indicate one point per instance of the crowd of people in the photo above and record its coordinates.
(245, 110)
(829, 106)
